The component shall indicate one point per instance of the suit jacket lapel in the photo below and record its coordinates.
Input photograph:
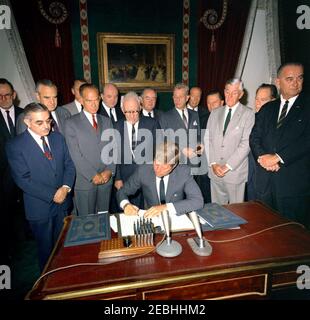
(294, 111)
(235, 118)
(179, 119)
(221, 119)
(171, 186)
(4, 127)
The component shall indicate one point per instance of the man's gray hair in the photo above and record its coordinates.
(131, 95)
(34, 107)
(235, 81)
(44, 82)
(167, 153)
(183, 86)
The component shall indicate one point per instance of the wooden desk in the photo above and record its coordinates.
(253, 267)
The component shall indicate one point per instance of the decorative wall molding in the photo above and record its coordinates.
(185, 46)
(85, 40)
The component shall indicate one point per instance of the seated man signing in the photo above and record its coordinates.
(166, 185)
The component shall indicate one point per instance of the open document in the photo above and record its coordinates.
(126, 223)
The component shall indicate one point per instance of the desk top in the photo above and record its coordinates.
(286, 245)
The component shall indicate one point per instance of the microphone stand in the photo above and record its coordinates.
(199, 245)
(168, 248)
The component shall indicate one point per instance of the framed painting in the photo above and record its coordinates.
(136, 61)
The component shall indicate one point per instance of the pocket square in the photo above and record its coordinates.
(195, 123)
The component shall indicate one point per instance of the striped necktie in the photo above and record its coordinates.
(283, 114)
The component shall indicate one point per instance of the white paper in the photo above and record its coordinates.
(177, 223)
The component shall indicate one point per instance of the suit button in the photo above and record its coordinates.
(222, 146)
(222, 158)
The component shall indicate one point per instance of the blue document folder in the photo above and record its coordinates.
(213, 217)
(88, 229)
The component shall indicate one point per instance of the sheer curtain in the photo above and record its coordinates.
(13, 62)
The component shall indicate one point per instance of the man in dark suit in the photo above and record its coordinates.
(84, 134)
(137, 141)
(9, 193)
(280, 141)
(264, 93)
(75, 106)
(109, 107)
(181, 125)
(46, 92)
(165, 184)
(42, 167)
(148, 103)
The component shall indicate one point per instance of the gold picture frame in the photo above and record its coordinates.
(136, 61)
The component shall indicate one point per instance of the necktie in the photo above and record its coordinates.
(47, 151)
(54, 125)
(111, 116)
(133, 138)
(11, 124)
(227, 120)
(184, 119)
(95, 125)
(150, 115)
(283, 114)
(162, 195)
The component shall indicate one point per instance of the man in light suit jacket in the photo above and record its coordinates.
(42, 167)
(9, 193)
(227, 145)
(85, 139)
(181, 125)
(46, 92)
(280, 142)
(75, 106)
(165, 184)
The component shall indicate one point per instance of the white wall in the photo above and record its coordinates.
(256, 70)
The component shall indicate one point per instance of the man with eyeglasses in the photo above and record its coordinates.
(9, 193)
(42, 167)
(138, 140)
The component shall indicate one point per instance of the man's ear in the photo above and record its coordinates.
(37, 96)
(27, 122)
(14, 95)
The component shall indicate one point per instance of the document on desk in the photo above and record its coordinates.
(177, 223)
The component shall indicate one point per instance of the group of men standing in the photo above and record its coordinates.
(63, 151)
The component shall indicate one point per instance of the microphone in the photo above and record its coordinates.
(168, 248)
(199, 245)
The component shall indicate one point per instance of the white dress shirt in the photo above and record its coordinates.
(53, 113)
(181, 113)
(78, 105)
(107, 109)
(146, 113)
(12, 115)
(89, 117)
(233, 110)
(290, 104)
(129, 130)
(191, 108)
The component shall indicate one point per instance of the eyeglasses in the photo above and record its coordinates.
(131, 112)
(6, 96)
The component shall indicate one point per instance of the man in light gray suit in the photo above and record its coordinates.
(227, 145)
(75, 106)
(166, 185)
(46, 92)
(84, 136)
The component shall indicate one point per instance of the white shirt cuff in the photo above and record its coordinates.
(123, 203)
(65, 186)
(228, 166)
(281, 160)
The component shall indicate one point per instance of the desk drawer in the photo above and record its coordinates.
(246, 286)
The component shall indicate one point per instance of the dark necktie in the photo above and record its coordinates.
(95, 125)
(133, 138)
(54, 125)
(11, 124)
(184, 119)
(162, 195)
(47, 151)
(111, 116)
(150, 115)
(283, 114)
(227, 120)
